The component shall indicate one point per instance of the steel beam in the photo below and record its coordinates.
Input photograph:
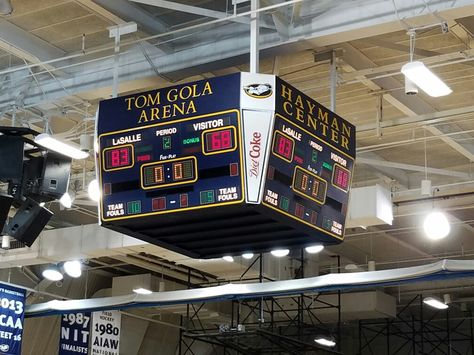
(409, 167)
(131, 12)
(24, 45)
(466, 149)
(366, 19)
(195, 10)
(398, 175)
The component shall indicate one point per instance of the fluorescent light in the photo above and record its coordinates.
(247, 256)
(57, 146)
(66, 200)
(228, 258)
(325, 342)
(435, 303)
(142, 291)
(52, 273)
(314, 249)
(436, 225)
(73, 268)
(94, 190)
(5, 242)
(280, 252)
(424, 78)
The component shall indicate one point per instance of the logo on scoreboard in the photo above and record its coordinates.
(258, 91)
(254, 153)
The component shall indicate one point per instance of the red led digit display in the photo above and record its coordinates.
(117, 158)
(219, 140)
(341, 177)
(283, 146)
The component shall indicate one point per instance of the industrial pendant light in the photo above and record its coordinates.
(417, 73)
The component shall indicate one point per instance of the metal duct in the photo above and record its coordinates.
(331, 282)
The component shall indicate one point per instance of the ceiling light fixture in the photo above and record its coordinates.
(279, 253)
(435, 303)
(45, 140)
(142, 291)
(66, 200)
(52, 273)
(325, 341)
(425, 79)
(314, 249)
(228, 258)
(5, 242)
(436, 225)
(421, 76)
(73, 268)
(247, 256)
(94, 190)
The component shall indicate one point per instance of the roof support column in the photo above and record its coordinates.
(254, 36)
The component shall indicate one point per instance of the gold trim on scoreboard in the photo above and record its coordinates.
(162, 162)
(118, 147)
(234, 143)
(241, 169)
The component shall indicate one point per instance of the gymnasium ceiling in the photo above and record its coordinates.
(56, 61)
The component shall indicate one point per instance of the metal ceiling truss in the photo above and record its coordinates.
(328, 28)
(418, 330)
(263, 325)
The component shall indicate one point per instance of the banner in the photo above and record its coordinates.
(105, 333)
(12, 302)
(75, 330)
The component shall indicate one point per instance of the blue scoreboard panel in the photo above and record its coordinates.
(224, 166)
(187, 164)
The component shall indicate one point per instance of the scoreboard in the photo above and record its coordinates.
(172, 166)
(227, 165)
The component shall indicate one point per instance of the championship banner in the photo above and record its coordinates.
(75, 330)
(12, 302)
(105, 333)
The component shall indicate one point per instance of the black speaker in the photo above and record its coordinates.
(28, 222)
(5, 204)
(11, 153)
(55, 177)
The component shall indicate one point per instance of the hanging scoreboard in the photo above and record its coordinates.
(243, 162)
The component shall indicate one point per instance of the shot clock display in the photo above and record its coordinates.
(226, 165)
